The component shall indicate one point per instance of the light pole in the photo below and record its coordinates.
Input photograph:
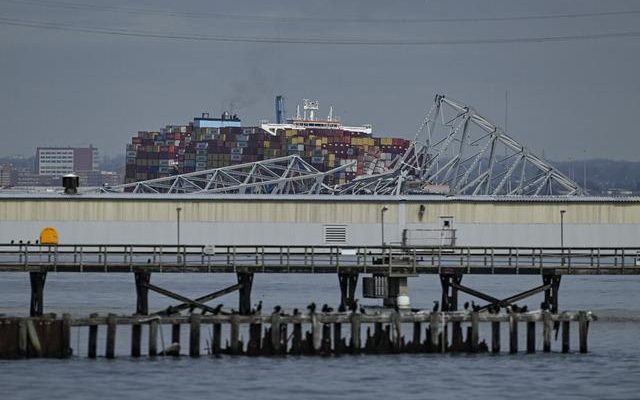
(562, 233)
(178, 209)
(382, 211)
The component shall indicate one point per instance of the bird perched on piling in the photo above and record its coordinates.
(296, 311)
(436, 306)
(311, 307)
(217, 310)
(259, 306)
(362, 310)
(544, 306)
(524, 309)
(148, 261)
(277, 309)
(466, 305)
(12, 241)
(342, 308)
(326, 308)
(475, 307)
(37, 241)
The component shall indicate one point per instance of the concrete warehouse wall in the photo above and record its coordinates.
(301, 220)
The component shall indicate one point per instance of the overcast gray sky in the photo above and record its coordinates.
(78, 72)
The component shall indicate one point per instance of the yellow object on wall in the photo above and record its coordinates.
(49, 235)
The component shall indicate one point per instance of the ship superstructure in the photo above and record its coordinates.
(308, 120)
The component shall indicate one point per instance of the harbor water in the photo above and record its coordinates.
(611, 369)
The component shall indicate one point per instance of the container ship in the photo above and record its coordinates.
(208, 143)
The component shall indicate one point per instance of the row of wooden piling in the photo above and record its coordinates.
(281, 334)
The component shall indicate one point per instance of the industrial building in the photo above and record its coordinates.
(323, 220)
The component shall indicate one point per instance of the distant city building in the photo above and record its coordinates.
(8, 176)
(59, 161)
(112, 178)
(26, 177)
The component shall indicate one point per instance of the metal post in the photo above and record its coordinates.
(178, 209)
(348, 283)
(562, 233)
(382, 211)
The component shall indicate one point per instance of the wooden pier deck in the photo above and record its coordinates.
(307, 333)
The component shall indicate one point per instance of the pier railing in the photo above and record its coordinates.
(318, 259)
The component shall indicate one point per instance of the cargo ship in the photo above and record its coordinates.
(207, 143)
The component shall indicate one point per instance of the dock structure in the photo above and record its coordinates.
(312, 333)
(384, 269)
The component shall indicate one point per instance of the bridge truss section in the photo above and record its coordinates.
(284, 175)
(457, 151)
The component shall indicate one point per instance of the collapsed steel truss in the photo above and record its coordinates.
(284, 175)
(456, 152)
(459, 152)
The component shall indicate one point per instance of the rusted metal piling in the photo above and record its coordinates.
(312, 333)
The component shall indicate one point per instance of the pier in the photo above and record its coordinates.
(384, 271)
(300, 333)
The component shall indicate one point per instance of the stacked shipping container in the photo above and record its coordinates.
(185, 148)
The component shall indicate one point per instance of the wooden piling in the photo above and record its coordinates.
(495, 337)
(355, 332)
(513, 333)
(110, 351)
(284, 338)
(433, 330)
(275, 333)
(566, 334)
(417, 337)
(583, 326)
(216, 339)
(66, 350)
(22, 337)
(337, 338)
(316, 332)
(296, 341)
(93, 339)
(235, 336)
(531, 336)
(153, 338)
(326, 340)
(255, 337)
(397, 332)
(194, 335)
(547, 327)
(475, 331)
(33, 339)
(136, 339)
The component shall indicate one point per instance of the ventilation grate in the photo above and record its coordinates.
(335, 234)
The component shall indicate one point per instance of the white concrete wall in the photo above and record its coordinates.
(300, 222)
